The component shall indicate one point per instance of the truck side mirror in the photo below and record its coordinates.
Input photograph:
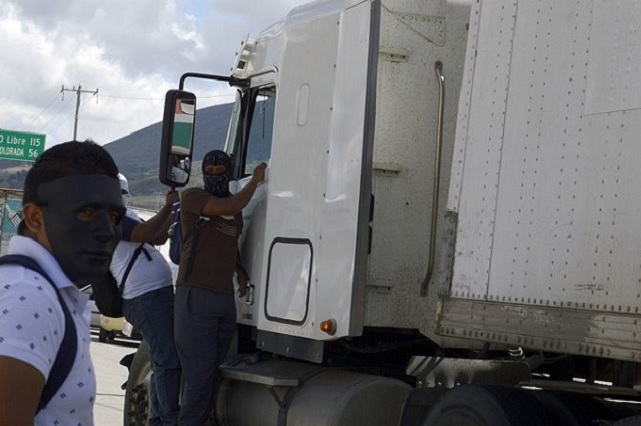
(177, 138)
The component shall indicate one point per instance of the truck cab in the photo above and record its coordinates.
(417, 255)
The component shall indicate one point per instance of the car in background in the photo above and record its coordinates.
(108, 328)
(95, 313)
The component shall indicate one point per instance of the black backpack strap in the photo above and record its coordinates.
(195, 232)
(67, 351)
(134, 256)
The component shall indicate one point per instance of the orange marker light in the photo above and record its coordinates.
(328, 326)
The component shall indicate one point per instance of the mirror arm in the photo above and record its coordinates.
(233, 81)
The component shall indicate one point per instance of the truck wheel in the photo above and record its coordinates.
(137, 401)
(573, 409)
(418, 405)
(478, 405)
(628, 421)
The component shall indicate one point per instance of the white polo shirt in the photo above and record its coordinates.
(32, 326)
(146, 274)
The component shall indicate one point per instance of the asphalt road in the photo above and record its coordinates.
(110, 375)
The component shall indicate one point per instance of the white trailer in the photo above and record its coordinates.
(450, 228)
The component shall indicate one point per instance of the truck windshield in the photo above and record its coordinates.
(253, 118)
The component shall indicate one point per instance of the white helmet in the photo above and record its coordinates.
(124, 189)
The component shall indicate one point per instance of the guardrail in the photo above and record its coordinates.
(10, 215)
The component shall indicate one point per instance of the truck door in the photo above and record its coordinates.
(314, 243)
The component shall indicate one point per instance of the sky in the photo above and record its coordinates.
(118, 58)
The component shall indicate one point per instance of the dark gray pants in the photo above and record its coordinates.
(153, 315)
(205, 322)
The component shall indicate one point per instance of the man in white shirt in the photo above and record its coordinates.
(72, 209)
(148, 301)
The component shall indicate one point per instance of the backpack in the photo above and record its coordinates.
(108, 294)
(176, 235)
(67, 351)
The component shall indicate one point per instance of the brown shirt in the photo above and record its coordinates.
(214, 261)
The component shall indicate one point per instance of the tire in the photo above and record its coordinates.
(477, 405)
(628, 421)
(573, 409)
(418, 404)
(137, 401)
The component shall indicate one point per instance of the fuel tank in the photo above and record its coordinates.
(287, 393)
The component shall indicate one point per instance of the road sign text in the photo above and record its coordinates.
(22, 146)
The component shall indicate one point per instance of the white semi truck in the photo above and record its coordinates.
(450, 232)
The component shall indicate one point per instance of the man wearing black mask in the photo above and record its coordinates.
(72, 211)
(205, 310)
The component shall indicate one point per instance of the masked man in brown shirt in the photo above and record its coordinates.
(205, 310)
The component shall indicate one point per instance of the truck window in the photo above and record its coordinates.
(259, 140)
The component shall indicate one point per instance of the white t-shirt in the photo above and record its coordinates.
(146, 274)
(32, 326)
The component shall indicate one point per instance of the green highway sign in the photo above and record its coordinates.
(22, 146)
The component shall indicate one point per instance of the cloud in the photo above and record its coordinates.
(130, 52)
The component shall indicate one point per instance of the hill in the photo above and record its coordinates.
(137, 156)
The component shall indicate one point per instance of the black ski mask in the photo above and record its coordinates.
(217, 184)
(82, 216)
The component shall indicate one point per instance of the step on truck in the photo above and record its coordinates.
(450, 230)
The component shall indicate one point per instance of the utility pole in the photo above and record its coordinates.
(78, 92)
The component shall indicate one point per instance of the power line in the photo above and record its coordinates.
(54, 116)
(132, 98)
(78, 91)
(34, 117)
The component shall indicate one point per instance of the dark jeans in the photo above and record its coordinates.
(153, 315)
(204, 328)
